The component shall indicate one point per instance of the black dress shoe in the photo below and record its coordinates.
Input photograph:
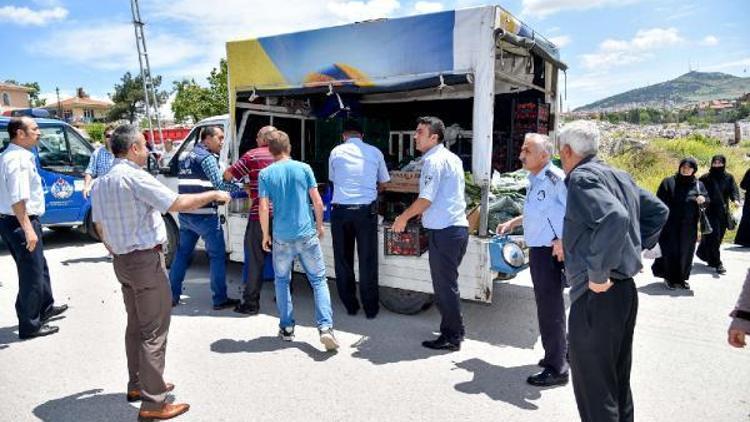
(44, 330)
(441, 343)
(547, 378)
(55, 311)
(720, 269)
(229, 303)
(247, 309)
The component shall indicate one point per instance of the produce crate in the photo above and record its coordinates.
(403, 181)
(411, 242)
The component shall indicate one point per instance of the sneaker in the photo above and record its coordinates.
(328, 340)
(670, 285)
(685, 285)
(720, 269)
(229, 303)
(286, 333)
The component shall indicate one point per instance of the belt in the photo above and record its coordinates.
(157, 248)
(350, 206)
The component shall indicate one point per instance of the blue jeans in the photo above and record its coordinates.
(193, 226)
(311, 257)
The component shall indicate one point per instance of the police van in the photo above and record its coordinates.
(62, 156)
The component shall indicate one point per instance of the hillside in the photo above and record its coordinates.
(687, 89)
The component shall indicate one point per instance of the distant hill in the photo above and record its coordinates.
(689, 88)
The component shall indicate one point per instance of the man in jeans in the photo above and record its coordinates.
(287, 184)
(247, 169)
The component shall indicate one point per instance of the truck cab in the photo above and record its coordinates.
(61, 158)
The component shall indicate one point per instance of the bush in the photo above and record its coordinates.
(95, 131)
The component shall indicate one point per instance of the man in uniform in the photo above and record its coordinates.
(21, 205)
(542, 219)
(442, 205)
(356, 170)
(127, 207)
(199, 172)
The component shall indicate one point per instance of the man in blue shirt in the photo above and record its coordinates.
(357, 170)
(289, 186)
(442, 205)
(100, 162)
(199, 172)
(543, 214)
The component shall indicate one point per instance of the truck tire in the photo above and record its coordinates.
(405, 302)
(173, 240)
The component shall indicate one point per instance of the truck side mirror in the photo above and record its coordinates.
(152, 164)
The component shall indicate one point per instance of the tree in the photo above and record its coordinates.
(128, 98)
(34, 99)
(196, 102)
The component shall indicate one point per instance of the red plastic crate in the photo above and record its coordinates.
(411, 242)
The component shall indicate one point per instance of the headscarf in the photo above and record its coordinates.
(693, 163)
(718, 171)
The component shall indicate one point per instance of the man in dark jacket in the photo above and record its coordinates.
(608, 220)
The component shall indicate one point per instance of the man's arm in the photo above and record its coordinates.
(317, 203)
(192, 201)
(100, 232)
(211, 168)
(19, 210)
(87, 185)
(263, 213)
(417, 208)
(509, 225)
(653, 218)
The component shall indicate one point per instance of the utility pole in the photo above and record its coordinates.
(148, 86)
(59, 106)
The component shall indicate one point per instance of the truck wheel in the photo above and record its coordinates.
(89, 229)
(405, 302)
(173, 240)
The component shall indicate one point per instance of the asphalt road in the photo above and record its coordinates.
(233, 368)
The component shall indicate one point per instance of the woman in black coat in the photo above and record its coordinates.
(721, 189)
(683, 194)
(743, 231)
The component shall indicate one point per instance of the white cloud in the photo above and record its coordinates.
(560, 40)
(24, 16)
(621, 52)
(709, 41)
(542, 8)
(428, 6)
(363, 10)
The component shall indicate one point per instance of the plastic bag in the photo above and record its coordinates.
(652, 253)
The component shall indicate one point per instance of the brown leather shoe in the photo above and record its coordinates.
(135, 395)
(167, 411)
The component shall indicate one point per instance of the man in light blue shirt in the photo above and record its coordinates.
(442, 205)
(357, 170)
(543, 215)
(290, 186)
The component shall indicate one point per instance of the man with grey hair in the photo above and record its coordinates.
(608, 221)
(127, 207)
(542, 219)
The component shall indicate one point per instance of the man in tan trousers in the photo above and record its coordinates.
(128, 204)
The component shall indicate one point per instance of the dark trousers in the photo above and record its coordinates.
(547, 277)
(34, 298)
(601, 348)
(255, 256)
(148, 303)
(360, 226)
(447, 248)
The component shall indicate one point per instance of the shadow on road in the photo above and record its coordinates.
(501, 384)
(8, 335)
(88, 260)
(87, 406)
(57, 239)
(660, 289)
(268, 344)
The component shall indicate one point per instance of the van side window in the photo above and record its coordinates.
(80, 150)
(4, 140)
(53, 150)
(185, 148)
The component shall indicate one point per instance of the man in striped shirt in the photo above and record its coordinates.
(246, 169)
(99, 163)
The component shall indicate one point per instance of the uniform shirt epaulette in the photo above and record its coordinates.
(552, 176)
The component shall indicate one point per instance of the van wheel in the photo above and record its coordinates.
(173, 240)
(88, 227)
(405, 302)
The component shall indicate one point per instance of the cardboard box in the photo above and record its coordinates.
(403, 181)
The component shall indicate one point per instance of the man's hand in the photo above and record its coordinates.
(600, 287)
(222, 197)
(700, 199)
(736, 338)
(399, 224)
(557, 250)
(86, 192)
(503, 228)
(31, 239)
(320, 231)
(266, 243)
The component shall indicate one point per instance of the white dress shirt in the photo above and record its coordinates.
(20, 181)
(442, 183)
(356, 168)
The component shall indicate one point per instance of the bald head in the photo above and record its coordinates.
(536, 152)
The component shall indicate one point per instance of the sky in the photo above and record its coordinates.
(610, 46)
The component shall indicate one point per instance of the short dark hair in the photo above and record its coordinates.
(435, 125)
(16, 124)
(352, 126)
(209, 131)
(123, 137)
(278, 143)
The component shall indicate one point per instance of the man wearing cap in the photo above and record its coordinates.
(442, 204)
(542, 219)
(357, 170)
(21, 205)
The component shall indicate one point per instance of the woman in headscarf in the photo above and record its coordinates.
(721, 189)
(743, 231)
(683, 194)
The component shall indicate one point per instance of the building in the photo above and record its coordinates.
(80, 109)
(13, 97)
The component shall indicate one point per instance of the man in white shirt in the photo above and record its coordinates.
(21, 205)
(357, 171)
